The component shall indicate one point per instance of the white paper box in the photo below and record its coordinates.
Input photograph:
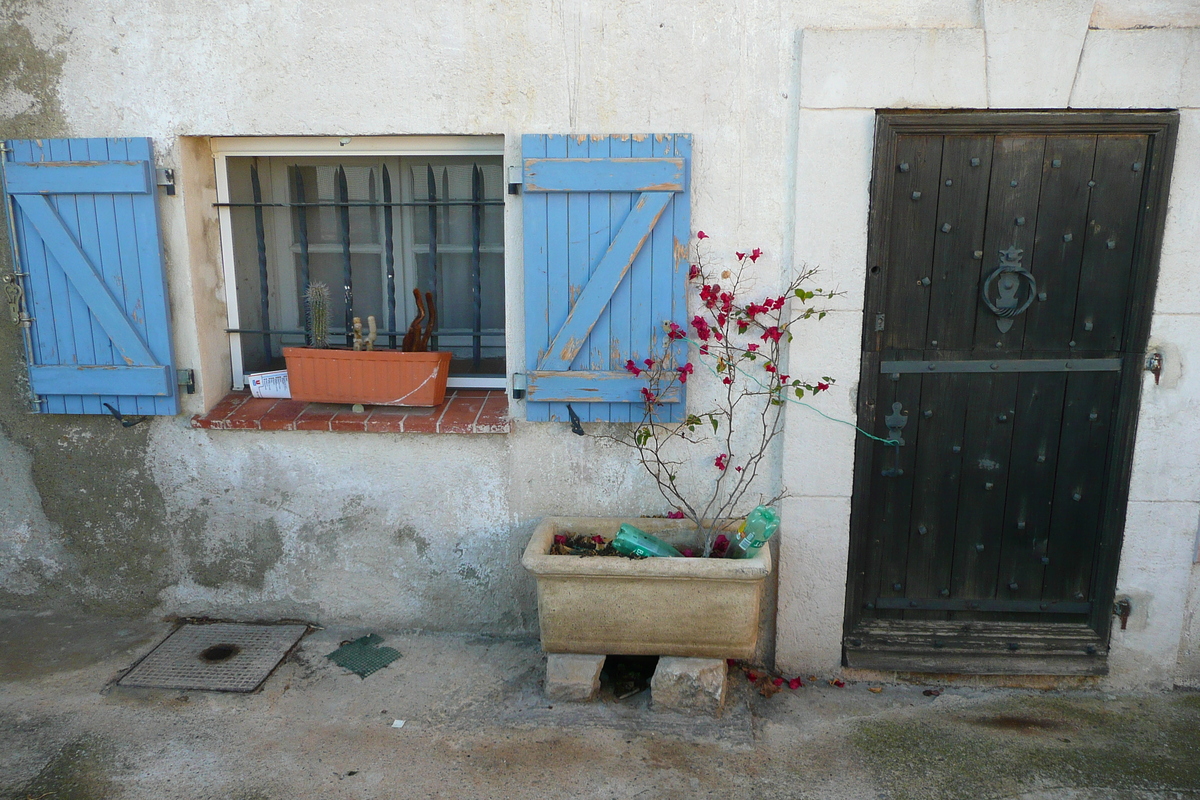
(270, 384)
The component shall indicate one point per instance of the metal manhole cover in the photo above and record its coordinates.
(220, 657)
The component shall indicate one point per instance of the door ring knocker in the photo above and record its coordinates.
(1007, 279)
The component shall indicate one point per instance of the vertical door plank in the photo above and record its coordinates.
(640, 278)
(896, 493)
(937, 476)
(1108, 253)
(578, 265)
(662, 253)
(108, 260)
(40, 302)
(91, 343)
(987, 441)
(1032, 464)
(1079, 484)
(620, 329)
(599, 236)
(1012, 222)
(558, 257)
(71, 314)
(911, 239)
(535, 208)
(961, 215)
(1058, 246)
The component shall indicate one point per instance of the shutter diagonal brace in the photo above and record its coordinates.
(607, 276)
(87, 281)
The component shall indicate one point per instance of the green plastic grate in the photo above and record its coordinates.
(364, 656)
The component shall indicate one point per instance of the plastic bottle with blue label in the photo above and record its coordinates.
(633, 541)
(760, 525)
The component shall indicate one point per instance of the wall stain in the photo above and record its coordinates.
(214, 563)
(407, 534)
(29, 78)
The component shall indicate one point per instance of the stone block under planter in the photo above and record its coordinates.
(692, 607)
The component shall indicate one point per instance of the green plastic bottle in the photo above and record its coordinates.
(633, 541)
(759, 526)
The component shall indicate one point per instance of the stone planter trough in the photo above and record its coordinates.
(692, 607)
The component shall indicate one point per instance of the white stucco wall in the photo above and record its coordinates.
(781, 99)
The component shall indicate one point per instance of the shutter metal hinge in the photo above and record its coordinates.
(518, 386)
(879, 319)
(515, 180)
(187, 379)
(166, 179)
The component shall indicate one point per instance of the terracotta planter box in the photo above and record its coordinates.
(694, 607)
(370, 377)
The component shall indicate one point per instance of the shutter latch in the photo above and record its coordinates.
(166, 179)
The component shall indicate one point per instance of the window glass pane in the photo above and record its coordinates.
(446, 237)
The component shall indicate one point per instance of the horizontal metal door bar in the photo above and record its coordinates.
(1001, 606)
(1007, 365)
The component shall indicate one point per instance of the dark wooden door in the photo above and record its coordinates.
(1011, 268)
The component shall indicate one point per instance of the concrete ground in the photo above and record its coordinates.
(477, 726)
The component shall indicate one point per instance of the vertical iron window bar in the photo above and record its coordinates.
(476, 285)
(264, 301)
(390, 256)
(302, 234)
(433, 229)
(344, 228)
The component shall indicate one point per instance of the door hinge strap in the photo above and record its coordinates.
(1007, 365)
(999, 606)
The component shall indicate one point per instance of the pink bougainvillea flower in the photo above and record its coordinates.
(752, 346)
(784, 378)
(701, 235)
(685, 371)
(687, 552)
(560, 538)
(703, 349)
(632, 367)
(649, 362)
(693, 272)
(755, 254)
(598, 540)
(778, 681)
(739, 469)
(795, 683)
(675, 332)
(752, 676)
(740, 256)
(676, 514)
(721, 461)
(648, 395)
(727, 380)
(769, 367)
(821, 386)
(742, 325)
(710, 293)
(731, 662)
(773, 333)
(839, 683)
(702, 328)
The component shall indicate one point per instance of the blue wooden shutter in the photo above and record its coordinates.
(606, 225)
(87, 240)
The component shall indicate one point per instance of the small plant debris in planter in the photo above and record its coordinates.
(575, 544)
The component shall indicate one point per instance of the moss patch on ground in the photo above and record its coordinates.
(1025, 743)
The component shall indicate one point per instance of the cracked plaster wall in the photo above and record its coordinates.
(426, 531)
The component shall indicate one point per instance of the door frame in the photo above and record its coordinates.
(1049, 651)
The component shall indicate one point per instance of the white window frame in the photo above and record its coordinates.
(226, 147)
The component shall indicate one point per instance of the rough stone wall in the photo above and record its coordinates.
(426, 531)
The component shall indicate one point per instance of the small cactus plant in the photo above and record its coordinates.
(316, 308)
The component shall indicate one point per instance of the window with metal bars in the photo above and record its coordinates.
(374, 229)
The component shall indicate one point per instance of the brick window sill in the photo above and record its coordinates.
(463, 411)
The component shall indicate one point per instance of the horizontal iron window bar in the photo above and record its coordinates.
(339, 331)
(999, 606)
(1004, 365)
(364, 204)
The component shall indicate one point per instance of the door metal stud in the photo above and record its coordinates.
(916, 195)
(979, 548)
(897, 587)
(977, 255)
(974, 162)
(1013, 184)
(1019, 221)
(904, 166)
(949, 182)
(945, 227)
(1056, 163)
(1067, 237)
